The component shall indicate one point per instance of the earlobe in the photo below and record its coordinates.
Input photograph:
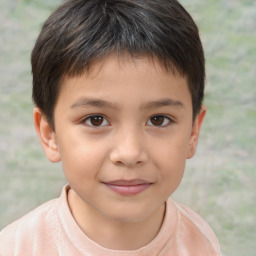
(46, 136)
(195, 132)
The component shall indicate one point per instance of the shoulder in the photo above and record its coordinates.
(31, 227)
(194, 230)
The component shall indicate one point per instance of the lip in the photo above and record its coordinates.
(128, 187)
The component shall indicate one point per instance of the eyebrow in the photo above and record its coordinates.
(163, 103)
(91, 102)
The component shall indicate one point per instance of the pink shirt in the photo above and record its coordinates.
(51, 230)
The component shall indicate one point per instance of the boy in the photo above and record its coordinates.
(118, 88)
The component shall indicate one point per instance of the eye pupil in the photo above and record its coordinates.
(157, 120)
(96, 120)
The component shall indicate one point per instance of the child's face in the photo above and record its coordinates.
(123, 134)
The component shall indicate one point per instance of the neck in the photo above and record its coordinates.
(114, 234)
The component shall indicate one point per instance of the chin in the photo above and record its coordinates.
(126, 214)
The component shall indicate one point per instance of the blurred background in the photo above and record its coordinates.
(219, 182)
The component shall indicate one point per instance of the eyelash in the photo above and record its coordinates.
(166, 120)
(103, 120)
(89, 118)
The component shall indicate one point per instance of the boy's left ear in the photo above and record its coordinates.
(195, 132)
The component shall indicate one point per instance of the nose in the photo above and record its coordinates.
(128, 150)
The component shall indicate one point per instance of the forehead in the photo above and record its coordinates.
(121, 60)
(117, 76)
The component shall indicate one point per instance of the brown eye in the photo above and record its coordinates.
(96, 120)
(159, 120)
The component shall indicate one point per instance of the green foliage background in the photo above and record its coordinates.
(219, 182)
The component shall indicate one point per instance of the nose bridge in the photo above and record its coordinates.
(128, 148)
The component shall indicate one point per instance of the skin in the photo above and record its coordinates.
(123, 164)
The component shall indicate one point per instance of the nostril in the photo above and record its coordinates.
(119, 163)
(128, 156)
(128, 163)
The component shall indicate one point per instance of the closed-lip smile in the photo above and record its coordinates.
(128, 187)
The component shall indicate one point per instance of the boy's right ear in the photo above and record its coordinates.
(46, 136)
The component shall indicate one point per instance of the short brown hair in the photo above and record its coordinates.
(80, 32)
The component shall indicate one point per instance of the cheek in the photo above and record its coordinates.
(171, 170)
(81, 159)
(171, 157)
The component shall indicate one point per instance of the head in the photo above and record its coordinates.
(118, 88)
(81, 32)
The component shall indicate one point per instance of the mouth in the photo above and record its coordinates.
(128, 187)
